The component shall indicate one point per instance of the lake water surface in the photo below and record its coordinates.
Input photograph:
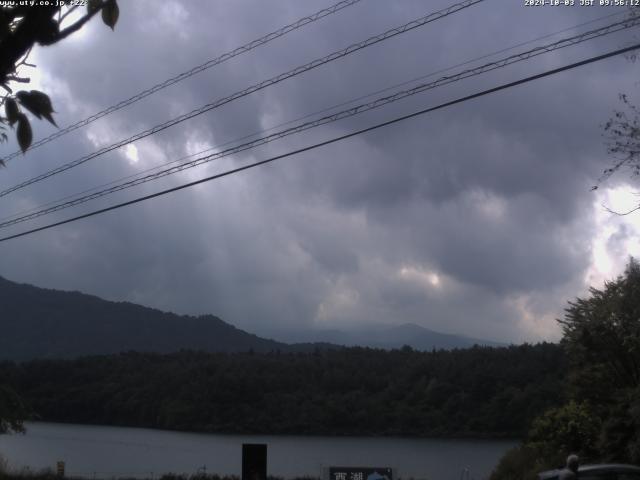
(105, 452)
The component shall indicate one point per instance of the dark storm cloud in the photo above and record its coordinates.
(475, 219)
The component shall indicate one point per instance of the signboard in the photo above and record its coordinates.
(360, 473)
(254, 461)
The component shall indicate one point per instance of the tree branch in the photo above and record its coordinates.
(23, 60)
(62, 17)
(13, 78)
(16, 45)
(78, 25)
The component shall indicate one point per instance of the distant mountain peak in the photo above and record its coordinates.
(393, 336)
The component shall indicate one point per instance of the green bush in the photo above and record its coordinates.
(523, 463)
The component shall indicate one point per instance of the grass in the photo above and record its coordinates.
(6, 474)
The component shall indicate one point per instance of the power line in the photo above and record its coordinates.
(333, 140)
(309, 115)
(247, 47)
(254, 88)
(612, 28)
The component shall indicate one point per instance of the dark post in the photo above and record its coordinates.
(254, 461)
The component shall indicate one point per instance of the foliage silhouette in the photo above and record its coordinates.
(601, 419)
(21, 28)
(476, 392)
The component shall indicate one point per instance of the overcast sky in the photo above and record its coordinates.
(477, 219)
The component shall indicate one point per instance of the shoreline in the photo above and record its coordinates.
(49, 474)
(116, 452)
(457, 438)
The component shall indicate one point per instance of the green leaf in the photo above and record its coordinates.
(27, 102)
(110, 13)
(93, 5)
(37, 103)
(11, 110)
(25, 135)
(44, 104)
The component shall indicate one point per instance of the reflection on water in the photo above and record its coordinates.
(100, 452)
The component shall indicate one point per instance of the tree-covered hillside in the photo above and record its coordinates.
(41, 323)
(482, 391)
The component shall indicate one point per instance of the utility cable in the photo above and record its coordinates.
(615, 27)
(330, 141)
(193, 71)
(254, 88)
(309, 115)
(313, 114)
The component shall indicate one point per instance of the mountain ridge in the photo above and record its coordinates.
(47, 323)
(393, 336)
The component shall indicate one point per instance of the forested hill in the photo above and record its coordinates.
(477, 392)
(41, 323)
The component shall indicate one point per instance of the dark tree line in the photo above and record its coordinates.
(480, 392)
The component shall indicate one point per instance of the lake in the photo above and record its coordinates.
(106, 452)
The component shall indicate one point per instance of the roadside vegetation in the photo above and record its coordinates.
(50, 475)
(600, 419)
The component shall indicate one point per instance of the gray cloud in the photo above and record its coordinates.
(476, 219)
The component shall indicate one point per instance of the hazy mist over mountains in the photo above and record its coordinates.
(386, 336)
(44, 323)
